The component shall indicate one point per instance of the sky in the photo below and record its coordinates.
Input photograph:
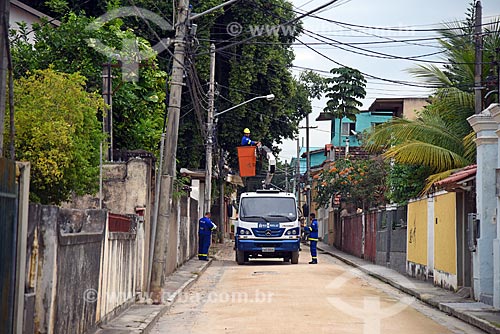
(408, 17)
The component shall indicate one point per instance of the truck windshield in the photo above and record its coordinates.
(268, 209)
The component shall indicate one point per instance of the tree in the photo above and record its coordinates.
(58, 132)
(257, 67)
(138, 107)
(361, 182)
(441, 140)
(344, 90)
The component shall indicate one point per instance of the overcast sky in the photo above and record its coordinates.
(410, 16)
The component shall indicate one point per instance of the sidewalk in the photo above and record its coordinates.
(141, 318)
(477, 314)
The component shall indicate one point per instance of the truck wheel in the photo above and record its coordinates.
(295, 257)
(240, 257)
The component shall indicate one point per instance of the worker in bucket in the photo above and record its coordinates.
(205, 228)
(246, 141)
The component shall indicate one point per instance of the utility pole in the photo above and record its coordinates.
(498, 74)
(222, 209)
(478, 105)
(298, 171)
(210, 132)
(4, 24)
(308, 171)
(308, 166)
(286, 176)
(168, 168)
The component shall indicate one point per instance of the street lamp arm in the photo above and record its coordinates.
(195, 16)
(267, 97)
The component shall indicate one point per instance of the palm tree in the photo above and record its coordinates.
(441, 138)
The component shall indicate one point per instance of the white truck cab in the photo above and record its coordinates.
(267, 226)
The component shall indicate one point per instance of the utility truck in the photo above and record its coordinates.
(267, 226)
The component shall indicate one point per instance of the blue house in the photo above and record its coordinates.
(317, 155)
(380, 111)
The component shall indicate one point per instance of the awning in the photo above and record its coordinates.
(457, 180)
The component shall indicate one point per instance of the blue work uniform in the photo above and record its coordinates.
(205, 228)
(313, 238)
(246, 141)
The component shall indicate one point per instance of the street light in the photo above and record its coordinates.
(269, 97)
(208, 151)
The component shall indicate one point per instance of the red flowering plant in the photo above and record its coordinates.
(361, 182)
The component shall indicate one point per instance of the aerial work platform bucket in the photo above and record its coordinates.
(247, 159)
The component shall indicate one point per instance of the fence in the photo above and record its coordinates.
(378, 236)
(14, 193)
(8, 239)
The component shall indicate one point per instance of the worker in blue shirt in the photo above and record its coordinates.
(246, 141)
(206, 226)
(313, 238)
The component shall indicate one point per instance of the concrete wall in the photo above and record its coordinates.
(418, 240)
(412, 105)
(417, 232)
(486, 258)
(119, 272)
(84, 272)
(69, 252)
(128, 187)
(445, 241)
(432, 239)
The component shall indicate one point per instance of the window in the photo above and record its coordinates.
(347, 128)
(268, 208)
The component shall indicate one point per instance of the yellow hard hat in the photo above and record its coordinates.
(247, 130)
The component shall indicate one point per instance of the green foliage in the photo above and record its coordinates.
(343, 91)
(361, 182)
(405, 182)
(314, 83)
(57, 131)
(138, 107)
(250, 69)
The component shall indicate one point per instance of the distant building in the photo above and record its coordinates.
(405, 107)
(348, 132)
(20, 12)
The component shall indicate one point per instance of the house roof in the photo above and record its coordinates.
(455, 180)
(319, 150)
(34, 12)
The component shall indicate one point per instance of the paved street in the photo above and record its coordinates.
(276, 297)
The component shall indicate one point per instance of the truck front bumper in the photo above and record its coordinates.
(258, 245)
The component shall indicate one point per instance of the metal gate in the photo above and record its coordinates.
(8, 243)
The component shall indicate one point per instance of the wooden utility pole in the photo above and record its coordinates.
(478, 98)
(4, 23)
(210, 132)
(168, 167)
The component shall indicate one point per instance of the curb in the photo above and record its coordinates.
(171, 300)
(149, 320)
(443, 307)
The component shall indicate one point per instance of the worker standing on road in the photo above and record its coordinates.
(246, 141)
(313, 238)
(206, 226)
